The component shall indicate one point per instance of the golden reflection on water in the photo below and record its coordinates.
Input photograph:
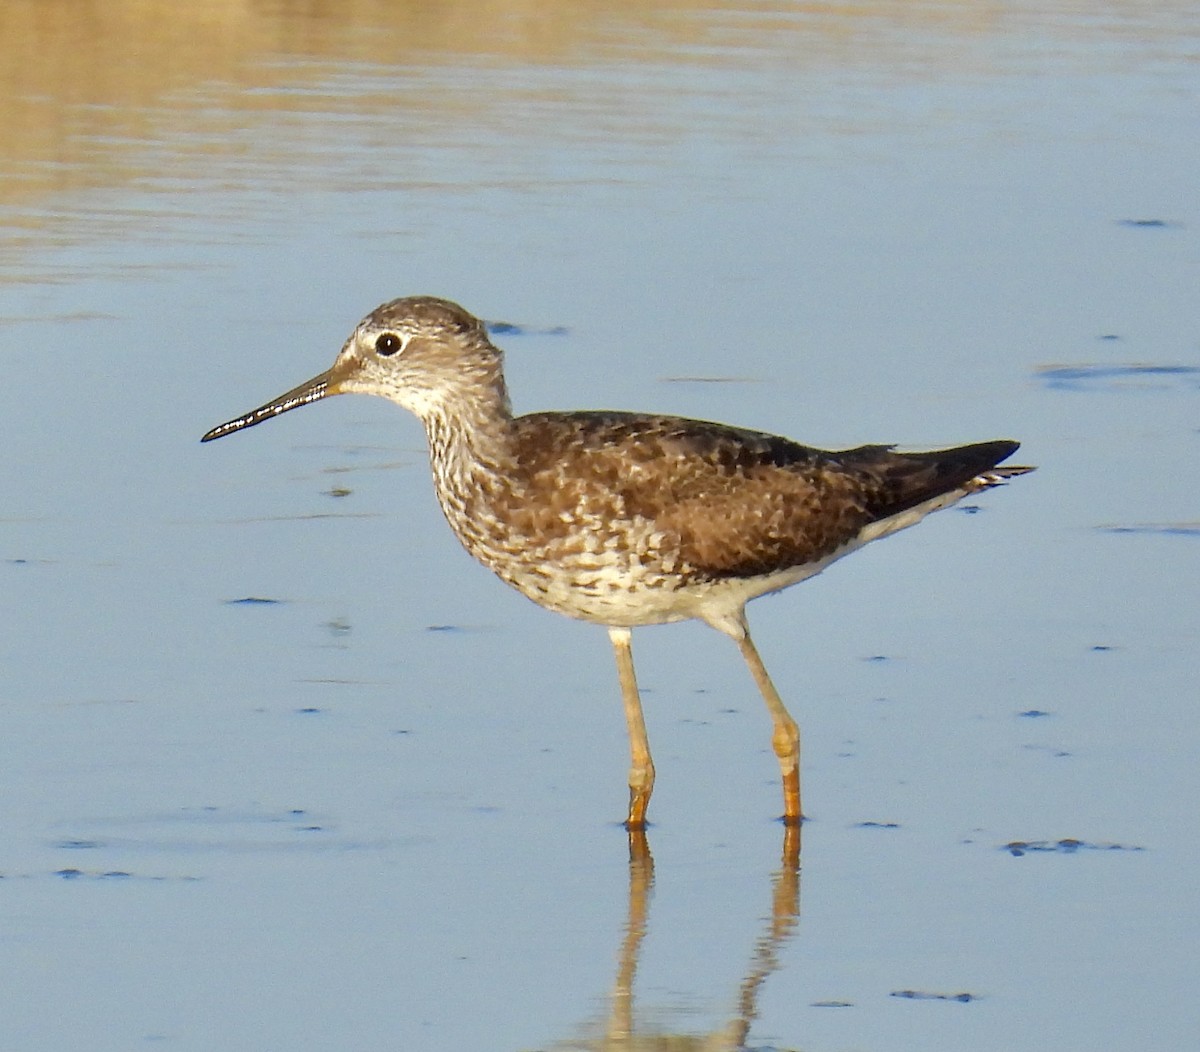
(86, 84)
(623, 1031)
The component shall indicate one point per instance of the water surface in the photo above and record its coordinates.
(282, 768)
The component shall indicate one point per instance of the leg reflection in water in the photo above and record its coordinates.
(623, 1032)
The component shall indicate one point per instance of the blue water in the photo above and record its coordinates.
(283, 769)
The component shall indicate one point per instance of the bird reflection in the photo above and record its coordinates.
(621, 1032)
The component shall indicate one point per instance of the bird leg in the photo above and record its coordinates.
(785, 739)
(641, 770)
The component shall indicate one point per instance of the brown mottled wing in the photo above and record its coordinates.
(732, 502)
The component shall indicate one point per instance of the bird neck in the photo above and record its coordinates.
(471, 436)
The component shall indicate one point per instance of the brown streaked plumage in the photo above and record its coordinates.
(627, 519)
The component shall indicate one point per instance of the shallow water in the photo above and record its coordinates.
(282, 768)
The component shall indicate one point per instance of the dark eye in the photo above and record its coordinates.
(388, 344)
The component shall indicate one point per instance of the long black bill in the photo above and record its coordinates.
(310, 391)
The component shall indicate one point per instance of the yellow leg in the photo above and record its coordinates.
(641, 769)
(786, 737)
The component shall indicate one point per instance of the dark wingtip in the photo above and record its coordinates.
(1008, 447)
(1000, 448)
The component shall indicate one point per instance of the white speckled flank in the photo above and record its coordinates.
(627, 519)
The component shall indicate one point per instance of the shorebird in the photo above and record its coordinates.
(628, 519)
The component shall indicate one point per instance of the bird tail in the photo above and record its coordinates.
(997, 477)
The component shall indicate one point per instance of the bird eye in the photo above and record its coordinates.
(388, 344)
